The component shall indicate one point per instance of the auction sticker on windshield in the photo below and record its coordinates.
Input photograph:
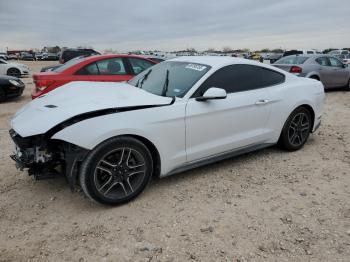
(196, 67)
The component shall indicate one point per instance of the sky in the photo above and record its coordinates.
(175, 24)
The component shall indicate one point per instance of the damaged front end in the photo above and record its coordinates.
(47, 158)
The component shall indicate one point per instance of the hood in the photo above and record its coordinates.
(76, 98)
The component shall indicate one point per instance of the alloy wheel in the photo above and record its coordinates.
(119, 173)
(299, 129)
(14, 73)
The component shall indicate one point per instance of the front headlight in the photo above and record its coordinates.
(14, 82)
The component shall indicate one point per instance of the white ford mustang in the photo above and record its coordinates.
(179, 114)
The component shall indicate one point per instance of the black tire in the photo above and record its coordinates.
(296, 130)
(107, 177)
(2, 95)
(347, 88)
(14, 72)
(315, 77)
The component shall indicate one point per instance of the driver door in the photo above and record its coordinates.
(219, 126)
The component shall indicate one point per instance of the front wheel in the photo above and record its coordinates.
(14, 72)
(296, 130)
(116, 171)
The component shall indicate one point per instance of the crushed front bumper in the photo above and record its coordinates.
(46, 158)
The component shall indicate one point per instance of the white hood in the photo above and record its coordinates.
(75, 98)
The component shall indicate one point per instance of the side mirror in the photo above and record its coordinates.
(345, 65)
(213, 93)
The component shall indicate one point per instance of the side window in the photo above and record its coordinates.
(335, 62)
(323, 61)
(90, 69)
(67, 55)
(113, 66)
(239, 78)
(139, 65)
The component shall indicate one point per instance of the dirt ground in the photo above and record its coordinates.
(264, 206)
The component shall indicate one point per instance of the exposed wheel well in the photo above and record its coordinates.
(13, 68)
(315, 77)
(154, 152)
(312, 113)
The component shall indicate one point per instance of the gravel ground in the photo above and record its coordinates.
(264, 206)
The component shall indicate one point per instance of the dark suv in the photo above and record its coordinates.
(71, 53)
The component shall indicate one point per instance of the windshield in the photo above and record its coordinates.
(68, 64)
(292, 60)
(170, 78)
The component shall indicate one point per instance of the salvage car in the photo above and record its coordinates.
(50, 57)
(13, 69)
(26, 56)
(10, 87)
(327, 69)
(3, 56)
(105, 68)
(346, 60)
(111, 138)
(70, 53)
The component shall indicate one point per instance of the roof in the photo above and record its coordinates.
(106, 56)
(220, 61)
(309, 55)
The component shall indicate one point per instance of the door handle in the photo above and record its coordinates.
(262, 102)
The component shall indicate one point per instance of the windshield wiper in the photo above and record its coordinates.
(166, 83)
(143, 79)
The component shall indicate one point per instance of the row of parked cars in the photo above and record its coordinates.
(10, 83)
(30, 56)
(117, 68)
(114, 68)
(164, 118)
(89, 65)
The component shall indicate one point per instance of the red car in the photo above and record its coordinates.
(104, 68)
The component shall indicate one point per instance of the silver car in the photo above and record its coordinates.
(327, 69)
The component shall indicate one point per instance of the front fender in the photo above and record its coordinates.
(164, 127)
(91, 132)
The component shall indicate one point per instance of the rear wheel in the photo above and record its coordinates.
(14, 72)
(296, 130)
(116, 171)
(2, 95)
(347, 87)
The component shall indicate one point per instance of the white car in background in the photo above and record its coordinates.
(3, 56)
(13, 69)
(346, 60)
(177, 115)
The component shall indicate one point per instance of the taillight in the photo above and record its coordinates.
(43, 84)
(296, 69)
